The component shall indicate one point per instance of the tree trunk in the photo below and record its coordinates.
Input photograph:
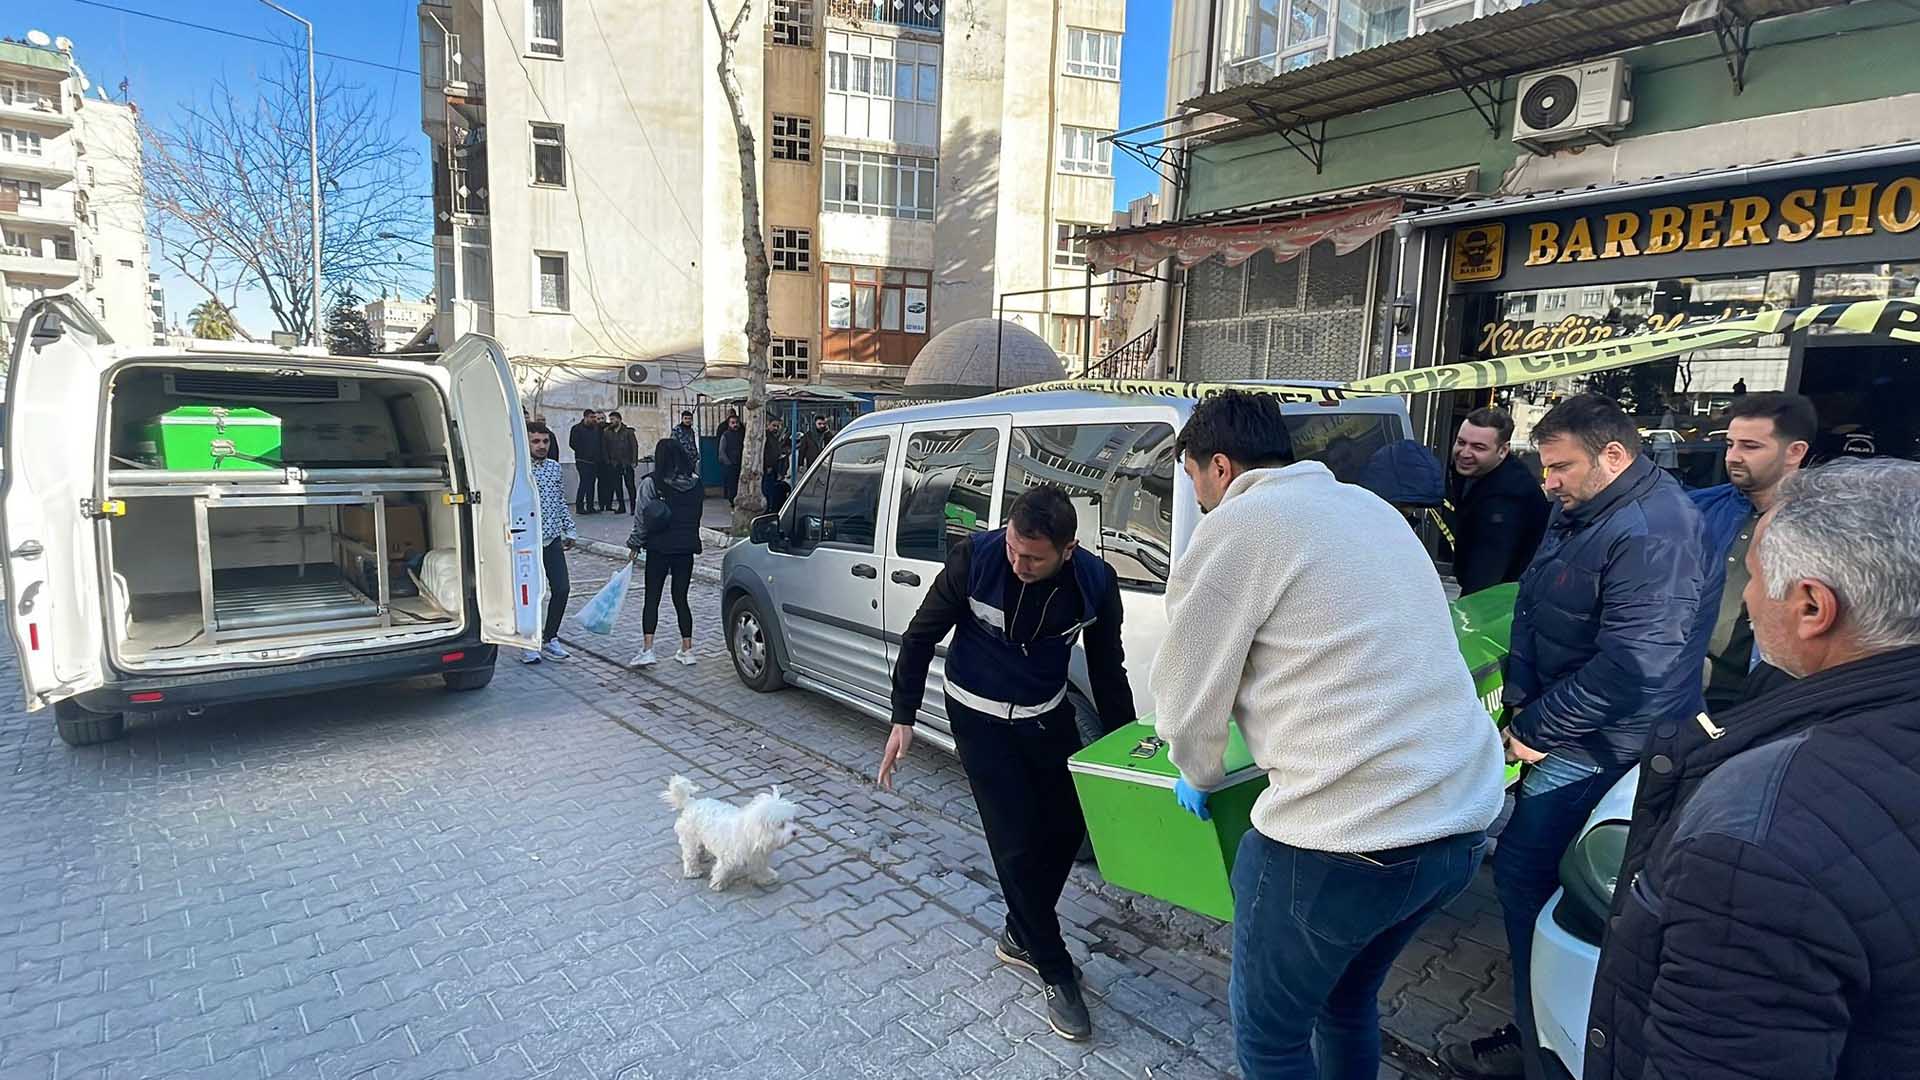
(749, 504)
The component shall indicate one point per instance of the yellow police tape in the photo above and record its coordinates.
(1897, 320)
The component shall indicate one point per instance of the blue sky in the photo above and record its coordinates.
(167, 66)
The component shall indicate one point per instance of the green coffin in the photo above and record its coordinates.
(192, 438)
(1144, 841)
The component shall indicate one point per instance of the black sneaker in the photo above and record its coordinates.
(1496, 1057)
(1010, 952)
(1067, 1012)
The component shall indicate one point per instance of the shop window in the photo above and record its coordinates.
(947, 490)
(1120, 478)
(874, 315)
(1311, 317)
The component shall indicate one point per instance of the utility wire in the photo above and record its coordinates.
(236, 34)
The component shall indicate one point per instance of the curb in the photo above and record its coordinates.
(708, 574)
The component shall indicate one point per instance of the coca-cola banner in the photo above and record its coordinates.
(1347, 229)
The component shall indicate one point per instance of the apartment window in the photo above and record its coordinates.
(1066, 253)
(128, 263)
(793, 250)
(550, 155)
(63, 247)
(476, 265)
(792, 138)
(1264, 38)
(15, 141)
(25, 192)
(790, 358)
(882, 185)
(636, 397)
(885, 89)
(550, 272)
(1081, 151)
(544, 27)
(1093, 54)
(872, 298)
(791, 23)
(1067, 334)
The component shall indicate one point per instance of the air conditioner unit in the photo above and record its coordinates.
(638, 375)
(1586, 102)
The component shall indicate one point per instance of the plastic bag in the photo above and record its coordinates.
(600, 613)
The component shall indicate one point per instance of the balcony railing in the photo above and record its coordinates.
(913, 14)
(1134, 360)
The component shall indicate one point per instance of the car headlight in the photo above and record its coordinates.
(1589, 872)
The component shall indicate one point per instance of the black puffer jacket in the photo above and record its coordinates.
(685, 498)
(1497, 521)
(1767, 923)
(1599, 651)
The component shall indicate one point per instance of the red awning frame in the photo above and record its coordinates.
(1190, 244)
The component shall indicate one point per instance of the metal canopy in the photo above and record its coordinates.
(1472, 57)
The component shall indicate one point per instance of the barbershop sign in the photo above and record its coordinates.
(1815, 221)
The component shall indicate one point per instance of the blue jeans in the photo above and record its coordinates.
(1313, 936)
(1555, 799)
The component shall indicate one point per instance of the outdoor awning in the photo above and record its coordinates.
(1533, 36)
(736, 390)
(1286, 229)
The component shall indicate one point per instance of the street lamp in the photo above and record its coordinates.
(403, 239)
(313, 159)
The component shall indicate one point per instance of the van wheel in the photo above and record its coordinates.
(78, 727)
(462, 681)
(751, 648)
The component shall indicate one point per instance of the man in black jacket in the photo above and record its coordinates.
(1765, 920)
(1016, 600)
(588, 444)
(1495, 509)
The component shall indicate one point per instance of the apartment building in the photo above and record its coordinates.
(71, 214)
(918, 164)
(394, 322)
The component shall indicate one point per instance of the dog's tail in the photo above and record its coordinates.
(679, 790)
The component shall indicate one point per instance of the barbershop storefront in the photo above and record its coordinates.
(1545, 271)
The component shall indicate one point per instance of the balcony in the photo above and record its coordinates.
(52, 166)
(45, 110)
(910, 14)
(29, 262)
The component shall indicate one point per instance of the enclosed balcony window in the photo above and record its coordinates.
(1265, 38)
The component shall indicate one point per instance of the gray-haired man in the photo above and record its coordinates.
(1768, 879)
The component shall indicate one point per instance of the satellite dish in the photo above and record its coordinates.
(64, 44)
(86, 84)
(39, 37)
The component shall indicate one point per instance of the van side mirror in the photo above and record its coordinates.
(765, 529)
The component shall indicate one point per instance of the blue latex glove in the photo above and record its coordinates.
(1192, 799)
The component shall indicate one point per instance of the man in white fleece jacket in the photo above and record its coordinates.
(1307, 611)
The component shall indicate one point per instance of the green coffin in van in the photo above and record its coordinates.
(192, 438)
(1144, 841)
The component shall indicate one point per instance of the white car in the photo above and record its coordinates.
(1566, 940)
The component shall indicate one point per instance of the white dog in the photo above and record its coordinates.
(740, 839)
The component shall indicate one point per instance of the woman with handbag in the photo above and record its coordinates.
(666, 527)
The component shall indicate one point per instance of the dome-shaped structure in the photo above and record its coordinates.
(979, 356)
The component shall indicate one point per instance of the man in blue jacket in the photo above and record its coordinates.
(1016, 601)
(1599, 657)
(1767, 439)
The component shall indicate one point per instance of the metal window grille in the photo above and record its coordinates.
(791, 23)
(792, 138)
(1311, 318)
(793, 250)
(790, 358)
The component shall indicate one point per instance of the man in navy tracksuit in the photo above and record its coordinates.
(1017, 600)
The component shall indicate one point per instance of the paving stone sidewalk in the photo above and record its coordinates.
(1452, 983)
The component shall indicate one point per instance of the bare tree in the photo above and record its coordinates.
(749, 504)
(227, 191)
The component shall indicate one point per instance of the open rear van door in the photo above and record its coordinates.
(504, 505)
(47, 511)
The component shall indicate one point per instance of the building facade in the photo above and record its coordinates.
(917, 164)
(1411, 183)
(71, 197)
(394, 321)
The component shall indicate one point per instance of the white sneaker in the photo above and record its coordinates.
(644, 658)
(530, 656)
(553, 650)
(685, 659)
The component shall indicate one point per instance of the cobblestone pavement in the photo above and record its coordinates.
(409, 883)
(1452, 983)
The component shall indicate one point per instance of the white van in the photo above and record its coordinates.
(395, 533)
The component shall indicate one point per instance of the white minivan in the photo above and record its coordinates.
(133, 587)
